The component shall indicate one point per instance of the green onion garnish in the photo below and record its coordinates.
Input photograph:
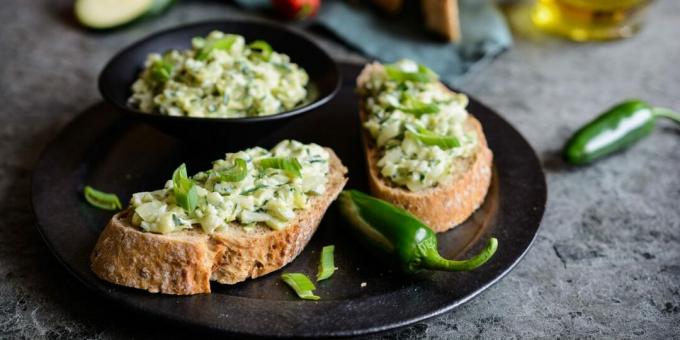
(184, 189)
(220, 44)
(327, 263)
(417, 107)
(161, 70)
(252, 190)
(301, 284)
(422, 75)
(234, 174)
(176, 220)
(428, 137)
(101, 200)
(291, 165)
(263, 48)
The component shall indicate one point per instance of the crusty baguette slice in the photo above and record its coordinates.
(441, 16)
(184, 262)
(444, 206)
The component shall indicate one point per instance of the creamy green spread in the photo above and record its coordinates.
(418, 126)
(266, 195)
(220, 76)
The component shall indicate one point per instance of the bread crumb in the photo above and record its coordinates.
(363, 284)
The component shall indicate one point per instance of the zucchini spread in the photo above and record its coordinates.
(417, 124)
(247, 187)
(220, 77)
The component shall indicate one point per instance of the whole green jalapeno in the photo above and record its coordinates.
(615, 129)
(400, 235)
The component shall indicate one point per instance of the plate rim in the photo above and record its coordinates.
(115, 297)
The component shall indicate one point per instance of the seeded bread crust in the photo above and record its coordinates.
(446, 205)
(183, 263)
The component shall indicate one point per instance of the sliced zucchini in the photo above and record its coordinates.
(105, 14)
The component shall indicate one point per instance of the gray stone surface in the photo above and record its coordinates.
(606, 263)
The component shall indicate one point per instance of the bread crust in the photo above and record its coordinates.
(441, 16)
(184, 263)
(446, 205)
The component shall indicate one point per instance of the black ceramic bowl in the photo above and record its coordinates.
(232, 133)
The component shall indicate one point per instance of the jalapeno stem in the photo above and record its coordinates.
(432, 260)
(664, 112)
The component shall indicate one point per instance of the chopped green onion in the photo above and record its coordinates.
(161, 70)
(428, 137)
(220, 44)
(291, 166)
(176, 220)
(101, 200)
(327, 263)
(301, 284)
(263, 48)
(252, 190)
(184, 189)
(417, 107)
(422, 75)
(234, 174)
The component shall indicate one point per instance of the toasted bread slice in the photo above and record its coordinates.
(446, 205)
(441, 17)
(184, 262)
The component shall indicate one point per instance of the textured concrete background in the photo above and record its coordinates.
(606, 263)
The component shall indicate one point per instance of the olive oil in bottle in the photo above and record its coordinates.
(585, 20)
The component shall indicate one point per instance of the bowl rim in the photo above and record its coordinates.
(262, 22)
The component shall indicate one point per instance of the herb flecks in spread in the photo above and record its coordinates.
(416, 123)
(221, 76)
(245, 187)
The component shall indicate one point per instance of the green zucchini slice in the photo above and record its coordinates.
(106, 14)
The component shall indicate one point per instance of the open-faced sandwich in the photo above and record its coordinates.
(249, 215)
(424, 152)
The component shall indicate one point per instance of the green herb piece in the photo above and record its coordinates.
(234, 174)
(219, 44)
(176, 220)
(184, 189)
(327, 263)
(262, 48)
(428, 137)
(101, 200)
(301, 284)
(422, 75)
(417, 107)
(161, 70)
(290, 166)
(252, 190)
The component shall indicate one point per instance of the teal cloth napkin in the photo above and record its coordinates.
(485, 34)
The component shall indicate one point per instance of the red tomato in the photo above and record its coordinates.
(296, 9)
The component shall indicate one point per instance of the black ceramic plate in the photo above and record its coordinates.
(101, 149)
